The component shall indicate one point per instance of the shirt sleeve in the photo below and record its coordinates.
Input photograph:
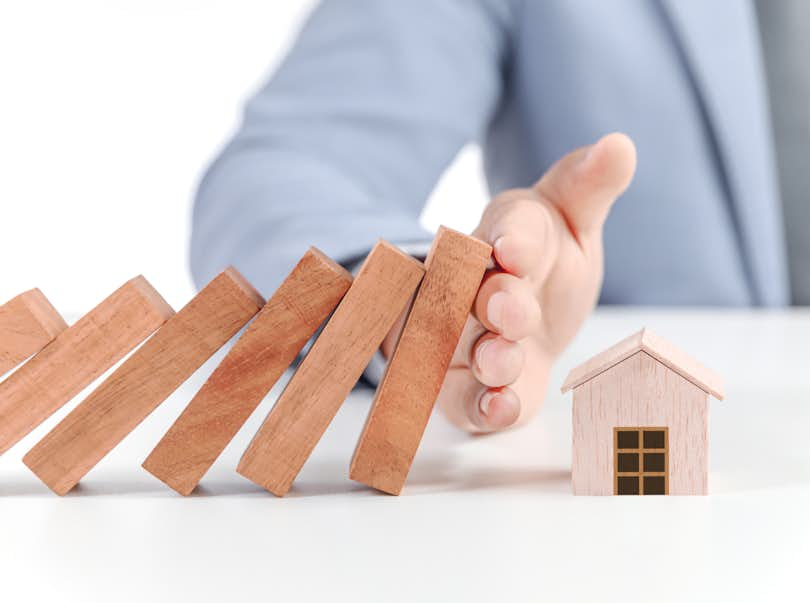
(344, 143)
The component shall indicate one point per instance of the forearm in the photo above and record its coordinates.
(345, 142)
(261, 208)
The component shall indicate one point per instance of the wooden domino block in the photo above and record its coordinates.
(28, 323)
(143, 381)
(380, 292)
(405, 397)
(234, 390)
(78, 356)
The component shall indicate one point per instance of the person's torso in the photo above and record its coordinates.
(700, 223)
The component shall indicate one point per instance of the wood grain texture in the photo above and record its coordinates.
(28, 323)
(375, 300)
(640, 391)
(682, 363)
(143, 381)
(275, 337)
(77, 356)
(405, 397)
(603, 361)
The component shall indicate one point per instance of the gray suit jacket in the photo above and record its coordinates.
(346, 140)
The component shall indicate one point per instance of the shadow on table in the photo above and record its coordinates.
(322, 479)
(33, 488)
(437, 478)
(135, 487)
(426, 481)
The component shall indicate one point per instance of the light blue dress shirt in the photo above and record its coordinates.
(345, 142)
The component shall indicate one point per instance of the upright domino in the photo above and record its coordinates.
(380, 292)
(143, 381)
(405, 397)
(77, 356)
(28, 323)
(237, 386)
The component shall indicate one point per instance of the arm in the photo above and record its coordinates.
(345, 142)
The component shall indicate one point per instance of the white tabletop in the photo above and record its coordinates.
(482, 518)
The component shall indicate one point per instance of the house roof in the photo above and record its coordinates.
(657, 347)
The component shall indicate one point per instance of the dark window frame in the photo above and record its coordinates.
(640, 452)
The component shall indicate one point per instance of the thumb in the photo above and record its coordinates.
(584, 184)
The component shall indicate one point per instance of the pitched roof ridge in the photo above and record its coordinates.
(656, 346)
(603, 360)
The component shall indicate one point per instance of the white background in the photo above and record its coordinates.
(109, 111)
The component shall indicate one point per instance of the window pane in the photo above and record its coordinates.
(628, 439)
(628, 462)
(654, 461)
(654, 484)
(654, 439)
(628, 485)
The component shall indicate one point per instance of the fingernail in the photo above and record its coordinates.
(495, 258)
(484, 402)
(495, 309)
(479, 353)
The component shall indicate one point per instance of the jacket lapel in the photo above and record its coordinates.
(719, 44)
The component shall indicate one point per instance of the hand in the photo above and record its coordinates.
(547, 243)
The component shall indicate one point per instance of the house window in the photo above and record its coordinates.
(640, 460)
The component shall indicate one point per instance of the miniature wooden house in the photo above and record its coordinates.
(640, 420)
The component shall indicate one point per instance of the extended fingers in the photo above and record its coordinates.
(495, 361)
(584, 184)
(496, 409)
(475, 407)
(507, 305)
(524, 231)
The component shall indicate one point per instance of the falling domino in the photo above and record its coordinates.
(143, 381)
(379, 294)
(28, 323)
(405, 397)
(237, 386)
(77, 356)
